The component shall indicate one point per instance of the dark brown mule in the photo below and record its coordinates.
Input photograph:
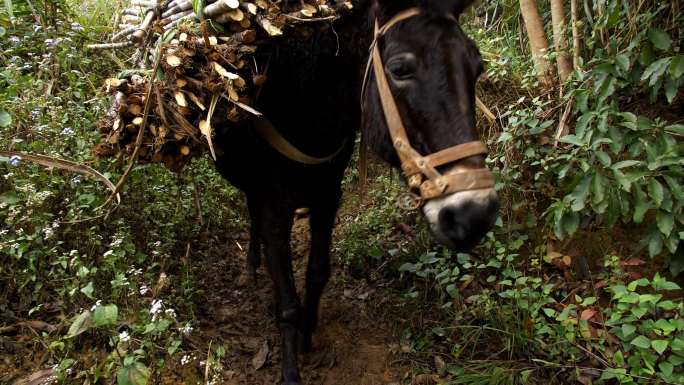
(313, 97)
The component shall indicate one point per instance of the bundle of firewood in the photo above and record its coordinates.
(194, 72)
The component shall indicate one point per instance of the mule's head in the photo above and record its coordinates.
(432, 67)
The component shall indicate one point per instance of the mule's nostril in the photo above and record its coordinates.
(450, 222)
(465, 225)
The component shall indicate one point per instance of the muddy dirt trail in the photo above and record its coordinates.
(352, 346)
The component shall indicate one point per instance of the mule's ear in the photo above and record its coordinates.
(443, 7)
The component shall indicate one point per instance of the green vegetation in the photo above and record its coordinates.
(575, 285)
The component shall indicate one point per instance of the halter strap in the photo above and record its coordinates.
(417, 167)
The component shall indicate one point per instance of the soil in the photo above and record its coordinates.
(355, 344)
(352, 346)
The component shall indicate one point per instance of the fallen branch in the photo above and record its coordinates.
(50, 162)
(562, 129)
(485, 110)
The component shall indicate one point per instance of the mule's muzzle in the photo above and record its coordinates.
(460, 220)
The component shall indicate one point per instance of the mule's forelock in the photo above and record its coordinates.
(443, 7)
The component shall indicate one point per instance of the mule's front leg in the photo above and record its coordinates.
(276, 237)
(254, 251)
(322, 219)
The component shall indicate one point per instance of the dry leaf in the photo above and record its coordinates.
(259, 359)
(40, 377)
(587, 314)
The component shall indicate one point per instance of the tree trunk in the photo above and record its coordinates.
(560, 39)
(538, 42)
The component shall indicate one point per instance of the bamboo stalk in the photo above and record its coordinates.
(130, 19)
(133, 11)
(127, 30)
(139, 35)
(122, 44)
(177, 16)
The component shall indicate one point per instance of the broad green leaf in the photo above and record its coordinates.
(677, 66)
(80, 324)
(570, 222)
(604, 158)
(641, 342)
(105, 315)
(665, 222)
(623, 62)
(628, 330)
(677, 129)
(655, 190)
(598, 188)
(640, 209)
(579, 194)
(88, 290)
(5, 118)
(666, 367)
(135, 374)
(3, 31)
(572, 139)
(671, 88)
(656, 70)
(655, 244)
(660, 39)
(9, 197)
(625, 164)
(659, 345)
(639, 282)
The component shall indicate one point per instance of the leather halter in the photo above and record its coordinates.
(420, 170)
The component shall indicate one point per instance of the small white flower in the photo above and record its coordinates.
(124, 336)
(68, 131)
(157, 244)
(170, 312)
(144, 289)
(97, 304)
(185, 359)
(15, 160)
(77, 26)
(116, 242)
(48, 232)
(186, 330)
(108, 253)
(156, 308)
(4, 231)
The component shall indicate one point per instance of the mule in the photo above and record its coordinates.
(317, 95)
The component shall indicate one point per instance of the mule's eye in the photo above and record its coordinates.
(402, 66)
